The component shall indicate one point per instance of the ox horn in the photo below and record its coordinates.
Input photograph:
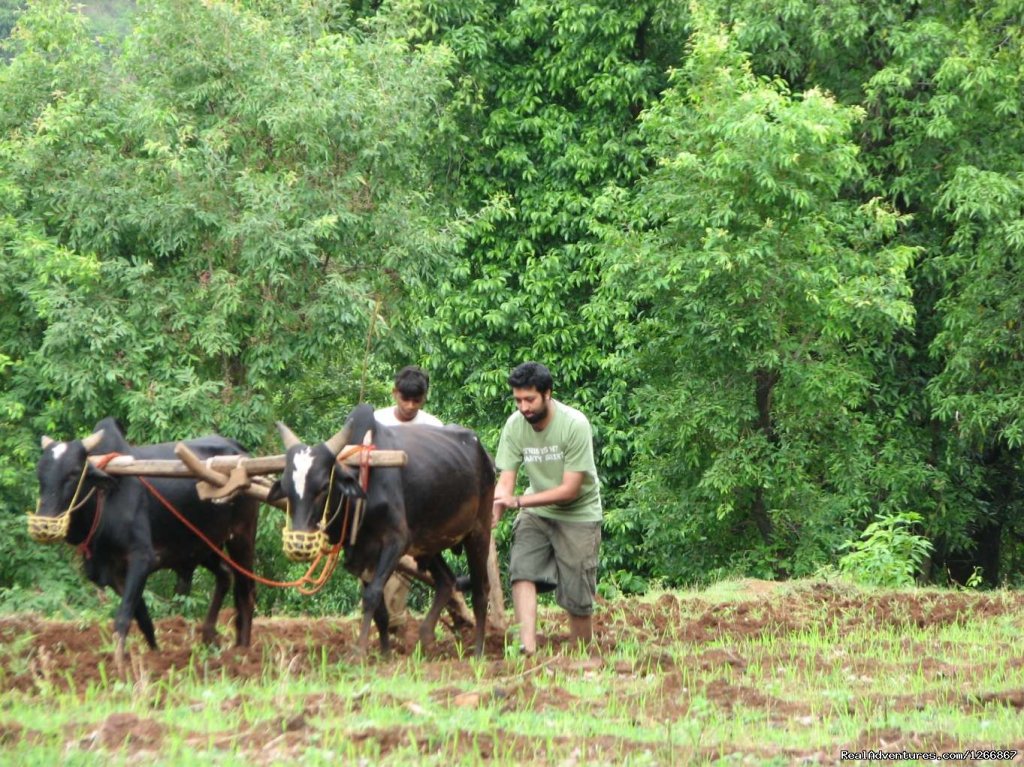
(287, 436)
(46, 442)
(90, 442)
(336, 443)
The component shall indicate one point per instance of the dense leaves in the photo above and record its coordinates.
(224, 198)
(763, 301)
(197, 226)
(772, 249)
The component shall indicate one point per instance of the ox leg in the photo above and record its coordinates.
(138, 569)
(183, 586)
(478, 546)
(145, 622)
(222, 579)
(379, 617)
(242, 550)
(444, 587)
(382, 619)
(374, 608)
(457, 607)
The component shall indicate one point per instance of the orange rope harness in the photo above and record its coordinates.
(308, 584)
(364, 482)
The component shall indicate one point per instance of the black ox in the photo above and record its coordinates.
(136, 535)
(441, 499)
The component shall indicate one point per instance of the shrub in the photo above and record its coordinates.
(888, 552)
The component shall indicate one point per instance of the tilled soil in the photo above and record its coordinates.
(691, 651)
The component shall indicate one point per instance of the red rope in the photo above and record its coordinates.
(364, 466)
(83, 547)
(306, 584)
(364, 483)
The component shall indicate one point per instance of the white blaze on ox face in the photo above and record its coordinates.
(59, 449)
(302, 462)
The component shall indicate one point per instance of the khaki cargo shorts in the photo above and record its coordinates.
(559, 556)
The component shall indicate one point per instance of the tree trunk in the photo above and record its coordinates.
(764, 382)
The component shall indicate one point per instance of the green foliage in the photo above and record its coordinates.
(212, 211)
(760, 301)
(953, 73)
(340, 595)
(981, 341)
(837, 45)
(9, 11)
(975, 580)
(45, 579)
(198, 227)
(237, 192)
(888, 553)
(777, 266)
(541, 118)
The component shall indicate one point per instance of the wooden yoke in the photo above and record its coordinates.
(225, 475)
(256, 465)
(214, 485)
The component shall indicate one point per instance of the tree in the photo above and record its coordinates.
(979, 201)
(934, 78)
(196, 227)
(758, 300)
(239, 191)
(9, 10)
(542, 117)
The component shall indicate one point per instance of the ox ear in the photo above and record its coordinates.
(287, 436)
(347, 481)
(276, 492)
(90, 442)
(337, 443)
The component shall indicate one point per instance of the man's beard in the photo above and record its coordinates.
(538, 416)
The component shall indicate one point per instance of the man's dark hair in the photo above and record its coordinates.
(531, 374)
(412, 381)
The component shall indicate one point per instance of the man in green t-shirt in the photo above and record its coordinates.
(557, 532)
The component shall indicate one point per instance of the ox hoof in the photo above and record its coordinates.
(120, 656)
(427, 638)
(360, 650)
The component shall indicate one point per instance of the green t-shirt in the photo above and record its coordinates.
(565, 444)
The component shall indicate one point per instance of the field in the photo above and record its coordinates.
(747, 672)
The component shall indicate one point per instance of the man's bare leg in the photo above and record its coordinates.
(524, 600)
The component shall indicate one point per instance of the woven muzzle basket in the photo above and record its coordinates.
(302, 546)
(48, 529)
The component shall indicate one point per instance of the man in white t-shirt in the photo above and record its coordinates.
(410, 393)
